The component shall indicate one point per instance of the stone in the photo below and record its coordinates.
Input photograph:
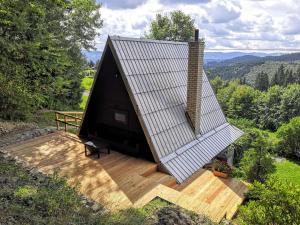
(96, 207)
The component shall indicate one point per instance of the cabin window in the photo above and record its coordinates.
(121, 117)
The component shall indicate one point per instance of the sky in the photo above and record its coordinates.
(225, 24)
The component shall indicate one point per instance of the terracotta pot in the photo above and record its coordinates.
(220, 174)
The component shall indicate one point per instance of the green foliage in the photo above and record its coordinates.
(224, 95)
(289, 138)
(175, 26)
(242, 103)
(287, 170)
(87, 83)
(249, 68)
(16, 100)
(268, 109)
(217, 83)
(242, 123)
(262, 81)
(25, 191)
(269, 105)
(40, 44)
(36, 199)
(221, 166)
(84, 100)
(134, 216)
(290, 102)
(274, 202)
(256, 163)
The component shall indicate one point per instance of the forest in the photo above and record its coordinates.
(42, 68)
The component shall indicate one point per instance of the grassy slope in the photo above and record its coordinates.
(288, 170)
(86, 83)
(270, 67)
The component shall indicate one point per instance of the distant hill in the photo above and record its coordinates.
(210, 57)
(248, 66)
(92, 55)
(215, 57)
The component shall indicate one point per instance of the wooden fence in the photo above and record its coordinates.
(66, 119)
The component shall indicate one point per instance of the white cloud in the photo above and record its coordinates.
(223, 23)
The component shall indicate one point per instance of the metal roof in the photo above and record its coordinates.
(155, 75)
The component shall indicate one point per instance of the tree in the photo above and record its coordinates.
(279, 76)
(297, 75)
(243, 102)
(289, 138)
(224, 95)
(40, 44)
(274, 202)
(217, 83)
(175, 26)
(257, 164)
(290, 103)
(289, 77)
(268, 116)
(262, 81)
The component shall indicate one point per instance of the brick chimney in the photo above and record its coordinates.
(194, 83)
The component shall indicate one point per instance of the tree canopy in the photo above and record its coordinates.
(40, 44)
(175, 26)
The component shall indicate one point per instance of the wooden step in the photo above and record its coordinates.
(163, 178)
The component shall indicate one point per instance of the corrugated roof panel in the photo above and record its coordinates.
(201, 153)
(156, 72)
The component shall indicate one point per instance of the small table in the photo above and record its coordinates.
(96, 147)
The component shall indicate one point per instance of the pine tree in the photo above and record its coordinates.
(279, 76)
(297, 76)
(262, 81)
(290, 78)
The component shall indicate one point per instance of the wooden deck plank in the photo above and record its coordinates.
(119, 181)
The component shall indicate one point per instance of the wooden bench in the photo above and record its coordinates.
(96, 146)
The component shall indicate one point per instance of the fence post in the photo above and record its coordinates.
(57, 122)
(65, 123)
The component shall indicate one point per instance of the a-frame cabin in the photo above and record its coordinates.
(152, 99)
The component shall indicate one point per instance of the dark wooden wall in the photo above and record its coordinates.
(108, 97)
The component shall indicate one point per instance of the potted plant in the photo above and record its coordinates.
(221, 169)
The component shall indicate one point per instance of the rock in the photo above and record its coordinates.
(3, 180)
(96, 207)
(177, 216)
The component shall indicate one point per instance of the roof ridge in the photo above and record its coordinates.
(120, 38)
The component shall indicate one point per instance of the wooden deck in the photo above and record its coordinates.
(119, 181)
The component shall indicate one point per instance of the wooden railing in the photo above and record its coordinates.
(72, 119)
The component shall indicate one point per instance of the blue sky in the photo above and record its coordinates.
(225, 24)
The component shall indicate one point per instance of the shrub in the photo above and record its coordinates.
(256, 163)
(274, 202)
(289, 138)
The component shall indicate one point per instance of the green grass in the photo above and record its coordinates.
(83, 101)
(87, 83)
(288, 170)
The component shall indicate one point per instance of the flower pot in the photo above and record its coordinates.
(220, 174)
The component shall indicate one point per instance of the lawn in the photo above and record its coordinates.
(288, 170)
(87, 83)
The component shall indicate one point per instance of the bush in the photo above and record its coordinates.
(256, 163)
(16, 101)
(274, 202)
(289, 138)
